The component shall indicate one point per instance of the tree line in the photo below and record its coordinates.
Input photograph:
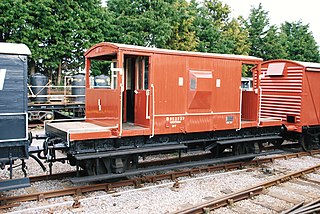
(58, 31)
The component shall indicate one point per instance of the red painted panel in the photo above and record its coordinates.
(199, 91)
(91, 135)
(295, 93)
(249, 108)
(102, 106)
(311, 99)
(212, 122)
(101, 49)
(174, 97)
(196, 123)
(170, 97)
(281, 94)
(140, 109)
(216, 106)
(227, 83)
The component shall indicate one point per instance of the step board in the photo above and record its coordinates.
(251, 139)
(14, 184)
(129, 152)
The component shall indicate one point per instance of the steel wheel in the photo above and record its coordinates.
(306, 142)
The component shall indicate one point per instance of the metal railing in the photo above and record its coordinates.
(55, 93)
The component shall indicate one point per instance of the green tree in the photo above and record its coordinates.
(256, 25)
(265, 41)
(140, 22)
(273, 44)
(300, 43)
(56, 31)
(163, 24)
(234, 38)
(211, 17)
(292, 41)
(12, 19)
(183, 35)
(73, 27)
(216, 32)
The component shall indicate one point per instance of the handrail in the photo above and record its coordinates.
(260, 103)
(147, 104)
(153, 112)
(240, 112)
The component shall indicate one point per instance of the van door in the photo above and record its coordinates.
(142, 92)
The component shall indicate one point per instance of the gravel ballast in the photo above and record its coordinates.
(163, 197)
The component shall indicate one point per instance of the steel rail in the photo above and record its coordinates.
(307, 207)
(48, 177)
(233, 197)
(137, 182)
(295, 207)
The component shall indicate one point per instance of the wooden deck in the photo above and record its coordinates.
(78, 127)
(76, 130)
(71, 131)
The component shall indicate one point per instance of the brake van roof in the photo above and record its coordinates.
(135, 48)
(309, 64)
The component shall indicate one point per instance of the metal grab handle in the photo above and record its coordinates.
(136, 92)
(147, 104)
(99, 104)
(153, 112)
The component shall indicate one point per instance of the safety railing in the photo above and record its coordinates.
(55, 93)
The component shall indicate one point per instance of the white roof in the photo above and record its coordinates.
(14, 48)
(309, 64)
(150, 49)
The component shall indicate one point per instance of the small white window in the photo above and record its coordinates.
(275, 69)
(193, 84)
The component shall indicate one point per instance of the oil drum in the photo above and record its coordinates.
(78, 87)
(38, 84)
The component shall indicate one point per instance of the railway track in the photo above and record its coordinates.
(145, 164)
(76, 191)
(286, 184)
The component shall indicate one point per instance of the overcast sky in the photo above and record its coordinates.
(282, 10)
